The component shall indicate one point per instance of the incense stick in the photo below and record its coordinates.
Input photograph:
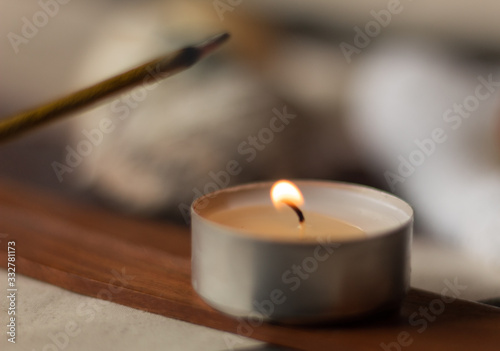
(159, 68)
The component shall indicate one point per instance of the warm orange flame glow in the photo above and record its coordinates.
(284, 192)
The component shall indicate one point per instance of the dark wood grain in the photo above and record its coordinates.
(84, 249)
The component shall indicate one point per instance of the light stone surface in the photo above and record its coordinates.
(51, 318)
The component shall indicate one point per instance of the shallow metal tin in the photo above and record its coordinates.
(293, 281)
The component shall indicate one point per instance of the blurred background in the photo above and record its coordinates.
(399, 95)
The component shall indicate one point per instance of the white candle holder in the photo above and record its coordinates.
(300, 281)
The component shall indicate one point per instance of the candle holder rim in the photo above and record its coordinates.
(307, 242)
(231, 231)
(263, 184)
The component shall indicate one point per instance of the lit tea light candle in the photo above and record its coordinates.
(285, 220)
(329, 251)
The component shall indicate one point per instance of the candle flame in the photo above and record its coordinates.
(283, 192)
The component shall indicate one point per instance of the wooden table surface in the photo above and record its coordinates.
(145, 264)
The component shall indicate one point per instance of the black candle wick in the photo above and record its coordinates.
(297, 211)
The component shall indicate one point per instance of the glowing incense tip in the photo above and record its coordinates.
(212, 43)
